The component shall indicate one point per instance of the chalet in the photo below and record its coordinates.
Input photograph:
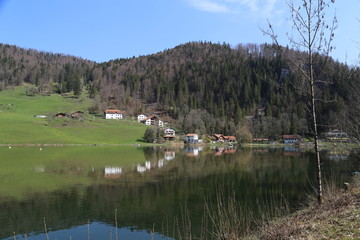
(230, 139)
(291, 138)
(153, 120)
(141, 117)
(337, 136)
(113, 114)
(191, 138)
(222, 138)
(219, 138)
(169, 134)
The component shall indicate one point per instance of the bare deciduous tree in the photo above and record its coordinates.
(312, 38)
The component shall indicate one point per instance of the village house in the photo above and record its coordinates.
(222, 138)
(113, 114)
(169, 134)
(219, 138)
(230, 139)
(153, 120)
(191, 138)
(141, 117)
(337, 136)
(291, 139)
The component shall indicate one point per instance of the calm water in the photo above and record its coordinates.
(79, 190)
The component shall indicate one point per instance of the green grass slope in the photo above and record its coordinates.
(19, 126)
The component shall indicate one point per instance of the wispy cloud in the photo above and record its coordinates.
(257, 8)
(210, 6)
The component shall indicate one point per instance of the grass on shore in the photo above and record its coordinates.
(19, 126)
(337, 218)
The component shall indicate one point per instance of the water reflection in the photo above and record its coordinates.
(149, 193)
(94, 230)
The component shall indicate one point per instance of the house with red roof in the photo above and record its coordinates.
(113, 114)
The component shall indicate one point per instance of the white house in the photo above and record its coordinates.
(191, 138)
(153, 120)
(141, 117)
(113, 114)
(291, 138)
(169, 134)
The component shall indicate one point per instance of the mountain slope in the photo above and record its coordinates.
(198, 86)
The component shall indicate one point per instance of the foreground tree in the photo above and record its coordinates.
(312, 37)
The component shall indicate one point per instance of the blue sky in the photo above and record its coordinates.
(110, 29)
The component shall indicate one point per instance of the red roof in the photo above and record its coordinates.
(291, 136)
(191, 135)
(233, 138)
(113, 111)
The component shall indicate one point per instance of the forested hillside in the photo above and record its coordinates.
(197, 87)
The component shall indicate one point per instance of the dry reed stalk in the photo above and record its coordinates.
(46, 233)
(88, 229)
(116, 226)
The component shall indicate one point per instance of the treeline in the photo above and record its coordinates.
(46, 71)
(198, 87)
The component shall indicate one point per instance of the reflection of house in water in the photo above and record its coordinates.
(192, 151)
(224, 150)
(140, 168)
(291, 151)
(112, 172)
(261, 150)
(169, 155)
(337, 155)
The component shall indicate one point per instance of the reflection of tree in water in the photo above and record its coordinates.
(155, 196)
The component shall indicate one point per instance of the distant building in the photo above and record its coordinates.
(169, 134)
(219, 138)
(222, 138)
(230, 139)
(153, 120)
(191, 138)
(113, 114)
(337, 136)
(141, 117)
(291, 138)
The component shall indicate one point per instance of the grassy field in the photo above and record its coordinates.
(19, 126)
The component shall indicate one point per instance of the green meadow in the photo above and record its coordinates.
(19, 126)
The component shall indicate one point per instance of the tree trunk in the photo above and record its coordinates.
(316, 147)
(314, 122)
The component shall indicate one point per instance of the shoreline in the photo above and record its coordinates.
(302, 146)
(337, 218)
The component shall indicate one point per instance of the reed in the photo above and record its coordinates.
(46, 233)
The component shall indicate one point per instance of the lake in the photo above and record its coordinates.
(129, 192)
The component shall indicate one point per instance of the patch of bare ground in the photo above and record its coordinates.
(337, 218)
